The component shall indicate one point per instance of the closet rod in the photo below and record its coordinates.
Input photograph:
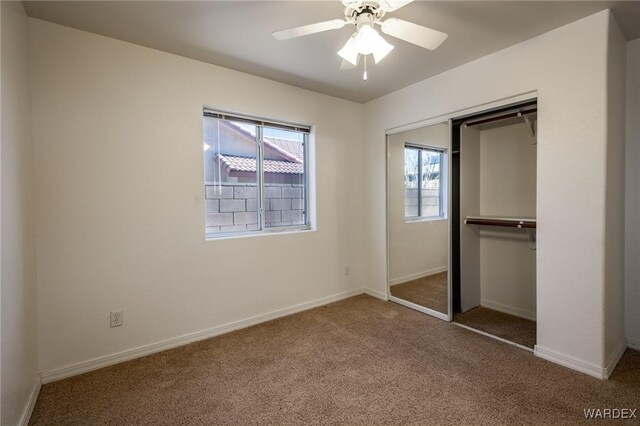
(501, 221)
(501, 117)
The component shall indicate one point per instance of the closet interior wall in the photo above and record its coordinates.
(508, 188)
(497, 178)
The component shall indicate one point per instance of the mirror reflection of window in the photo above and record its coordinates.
(417, 173)
(411, 171)
(423, 165)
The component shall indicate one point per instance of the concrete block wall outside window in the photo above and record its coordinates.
(233, 206)
(430, 202)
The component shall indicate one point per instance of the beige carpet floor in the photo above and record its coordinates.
(358, 361)
(430, 292)
(509, 327)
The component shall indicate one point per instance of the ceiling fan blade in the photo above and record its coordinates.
(309, 29)
(346, 65)
(391, 5)
(413, 33)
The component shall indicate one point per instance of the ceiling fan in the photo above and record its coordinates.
(365, 14)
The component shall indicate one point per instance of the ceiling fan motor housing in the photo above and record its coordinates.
(358, 11)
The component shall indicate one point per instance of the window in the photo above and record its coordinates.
(424, 182)
(256, 175)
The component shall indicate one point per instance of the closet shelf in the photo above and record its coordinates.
(508, 222)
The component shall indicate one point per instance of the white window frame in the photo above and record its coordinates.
(442, 174)
(260, 123)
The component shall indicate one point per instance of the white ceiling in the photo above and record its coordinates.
(237, 35)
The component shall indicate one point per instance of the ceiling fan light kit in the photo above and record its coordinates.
(350, 52)
(366, 41)
(365, 14)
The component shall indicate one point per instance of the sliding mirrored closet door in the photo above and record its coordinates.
(417, 218)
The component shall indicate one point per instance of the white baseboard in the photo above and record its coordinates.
(129, 354)
(376, 293)
(615, 358)
(570, 362)
(31, 403)
(516, 312)
(407, 278)
(580, 365)
(633, 343)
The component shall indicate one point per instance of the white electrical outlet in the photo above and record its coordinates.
(346, 270)
(116, 318)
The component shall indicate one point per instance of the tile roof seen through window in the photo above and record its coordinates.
(291, 147)
(246, 164)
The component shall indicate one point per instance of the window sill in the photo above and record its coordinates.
(262, 233)
(425, 219)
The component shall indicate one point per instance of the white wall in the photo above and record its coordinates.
(614, 224)
(508, 171)
(507, 188)
(568, 68)
(632, 197)
(19, 326)
(117, 132)
(415, 247)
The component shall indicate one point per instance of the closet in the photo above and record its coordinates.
(494, 222)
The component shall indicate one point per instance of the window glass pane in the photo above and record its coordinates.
(431, 183)
(230, 167)
(284, 178)
(411, 160)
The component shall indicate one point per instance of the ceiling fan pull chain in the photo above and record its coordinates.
(364, 76)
